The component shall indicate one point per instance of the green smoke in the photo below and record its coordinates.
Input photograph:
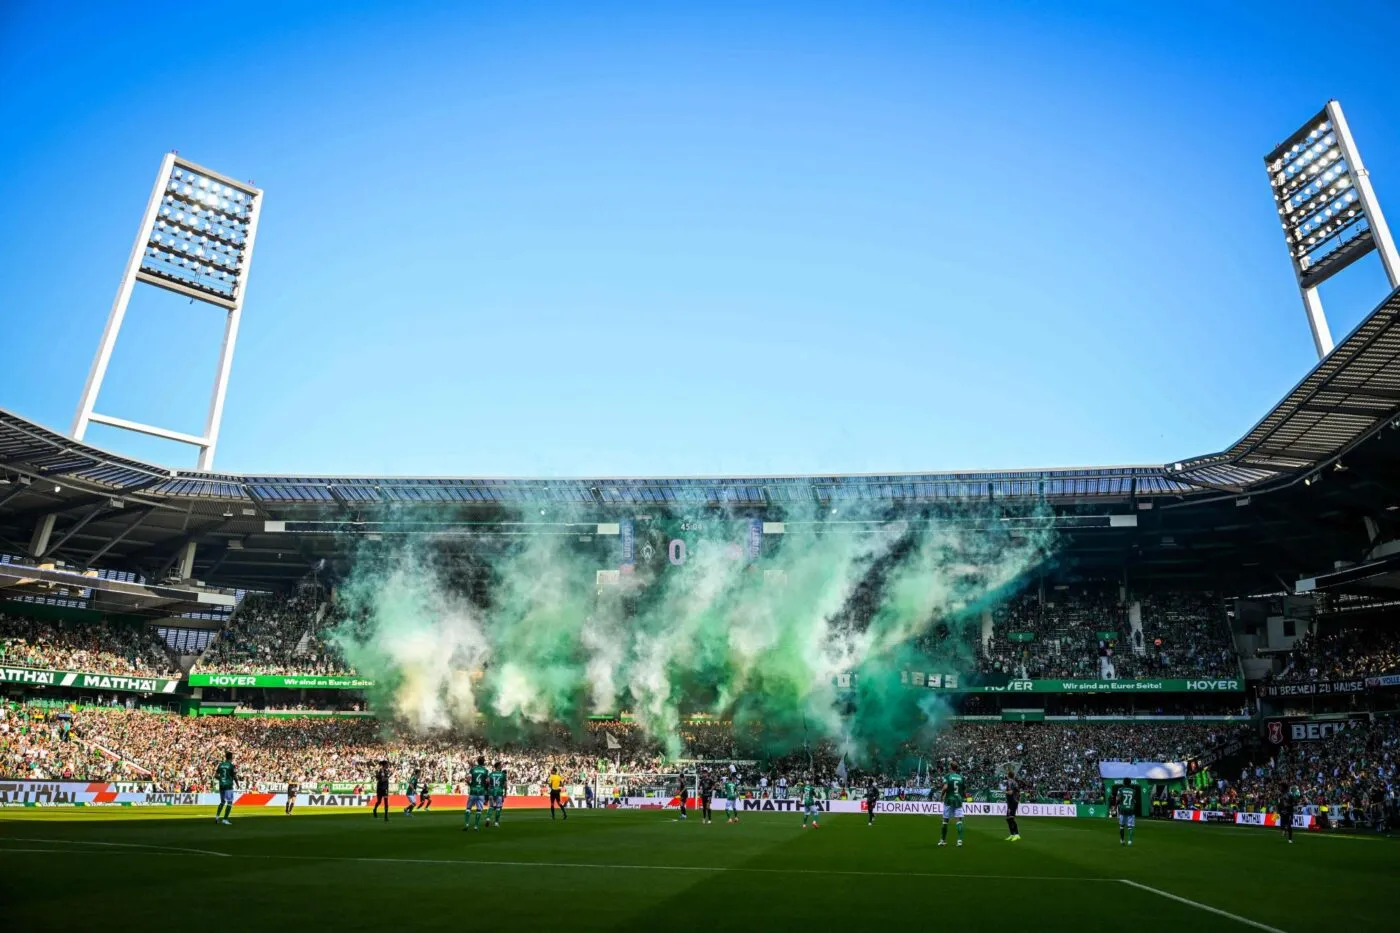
(806, 644)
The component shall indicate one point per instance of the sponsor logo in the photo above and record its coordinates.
(21, 675)
(24, 675)
(922, 807)
(134, 684)
(1307, 730)
(32, 792)
(338, 800)
(1213, 685)
(784, 806)
(1312, 731)
(1202, 816)
(232, 680)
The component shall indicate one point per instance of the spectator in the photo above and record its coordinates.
(97, 647)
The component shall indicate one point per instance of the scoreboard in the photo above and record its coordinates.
(656, 544)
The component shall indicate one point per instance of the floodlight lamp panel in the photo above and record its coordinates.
(198, 243)
(1326, 229)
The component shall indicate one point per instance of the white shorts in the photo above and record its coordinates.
(952, 813)
(226, 796)
(730, 804)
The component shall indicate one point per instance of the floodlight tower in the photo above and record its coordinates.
(1328, 210)
(196, 239)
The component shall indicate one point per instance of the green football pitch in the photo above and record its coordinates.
(133, 869)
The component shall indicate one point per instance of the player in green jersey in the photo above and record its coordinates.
(411, 792)
(731, 799)
(954, 793)
(498, 792)
(227, 776)
(478, 785)
(809, 804)
(1125, 799)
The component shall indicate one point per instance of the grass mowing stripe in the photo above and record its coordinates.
(715, 869)
(118, 845)
(711, 869)
(52, 851)
(1197, 904)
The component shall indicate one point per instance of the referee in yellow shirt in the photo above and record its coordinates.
(556, 793)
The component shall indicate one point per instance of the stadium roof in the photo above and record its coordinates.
(121, 512)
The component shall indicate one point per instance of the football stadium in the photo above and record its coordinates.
(742, 702)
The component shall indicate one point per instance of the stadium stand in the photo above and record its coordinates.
(1060, 760)
(84, 646)
(1059, 637)
(1352, 773)
(1062, 636)
(273, 634)
(1343, 653)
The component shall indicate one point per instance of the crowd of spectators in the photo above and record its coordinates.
(1070, 633)
(1061, 760)
(271, 634)
(39, 745)
(97, 647)
(1184, 634)
(1353, 771)
(1057, 760)
(1088, 634)
(1344, 654)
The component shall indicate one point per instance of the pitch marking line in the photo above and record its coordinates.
(118, 845)
(1198, 905)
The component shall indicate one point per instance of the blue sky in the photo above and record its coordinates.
(562, 239)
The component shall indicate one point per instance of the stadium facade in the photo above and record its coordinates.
(1310, 489)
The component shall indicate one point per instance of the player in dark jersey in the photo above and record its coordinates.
(872, 797)
(425, 795)
(381, 790)
(1287, 807)
(707, 791)
(1125, 799)
(293, 788)
(1013, 803)
(227, 776)
(682, 791)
